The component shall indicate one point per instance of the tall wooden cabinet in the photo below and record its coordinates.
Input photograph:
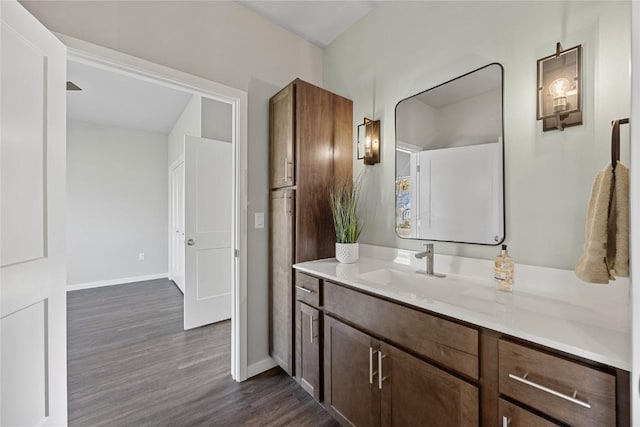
(311, 146)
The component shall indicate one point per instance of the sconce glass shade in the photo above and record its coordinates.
(559, 100)
(369, 141)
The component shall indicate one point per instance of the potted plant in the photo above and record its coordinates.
(343, 198)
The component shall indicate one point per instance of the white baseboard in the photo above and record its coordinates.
(261, 366)
(113, 282)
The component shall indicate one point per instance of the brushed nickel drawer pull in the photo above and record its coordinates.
(286, 202)
(380, 377)
(371, 373)
(287, 175)
(571, 399)
(309, 291)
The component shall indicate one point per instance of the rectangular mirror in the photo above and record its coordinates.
(450, 161)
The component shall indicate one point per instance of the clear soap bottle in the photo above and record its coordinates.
(503, 269)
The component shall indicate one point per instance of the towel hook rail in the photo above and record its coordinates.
(615, 141)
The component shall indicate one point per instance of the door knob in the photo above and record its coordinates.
(190, 242)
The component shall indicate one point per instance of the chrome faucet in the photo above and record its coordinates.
(428, 254)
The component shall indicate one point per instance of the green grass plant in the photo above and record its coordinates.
(343, 197)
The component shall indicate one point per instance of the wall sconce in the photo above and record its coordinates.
(559, 100)
(369, 141)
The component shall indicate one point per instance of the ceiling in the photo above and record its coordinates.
(116, 99)
(319, 22)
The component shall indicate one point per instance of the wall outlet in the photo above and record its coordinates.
(141, 256)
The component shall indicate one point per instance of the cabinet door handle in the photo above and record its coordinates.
(286, 210)
(287, 204)
(552, 392)
(371, 373)
(311, 330)
(380, 377)
(286, 168)
(309, 291)
(506, 421)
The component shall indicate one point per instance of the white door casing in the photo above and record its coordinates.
(32, 276)
(89, 53)
(176, 232)
(209, 259)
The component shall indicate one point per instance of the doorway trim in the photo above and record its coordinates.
(118, 62)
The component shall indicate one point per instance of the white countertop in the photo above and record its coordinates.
(574, 322)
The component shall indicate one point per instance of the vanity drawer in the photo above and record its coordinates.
(514, 416)
(307, 289)
(568, 391)
(449, 344)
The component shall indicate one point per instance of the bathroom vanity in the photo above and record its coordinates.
(379, 344)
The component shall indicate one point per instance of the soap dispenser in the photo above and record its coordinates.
(503, 269)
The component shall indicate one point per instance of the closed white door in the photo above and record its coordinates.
(32, 273)
(208, 221)
(177, 225)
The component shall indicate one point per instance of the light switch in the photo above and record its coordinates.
(259, 220)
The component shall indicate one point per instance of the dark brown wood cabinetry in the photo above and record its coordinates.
(512, 415)
(311, 139)
(415, 392)
(308, 334)
(309, 327)
(281, 129)
(386, 363)
(281, 246)
(350, 370)
(369, 381)
(565, 390)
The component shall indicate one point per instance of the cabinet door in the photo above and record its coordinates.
(512, 415)
(308, 348)
(415, 393)
(281, 137)
(281, 278)
(350, 362)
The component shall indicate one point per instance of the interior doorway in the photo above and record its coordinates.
(227, 256)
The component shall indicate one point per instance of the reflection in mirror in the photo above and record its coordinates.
(449, 161)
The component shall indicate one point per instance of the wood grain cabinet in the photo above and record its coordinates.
(281, 247)
(369, 382)
(308, 334)
(398, 372)
(310, 146)
(387, 363)
(564, 390)
(308, 348)
(512, 415)
(281, 136)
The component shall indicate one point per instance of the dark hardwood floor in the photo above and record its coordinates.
(130, 363)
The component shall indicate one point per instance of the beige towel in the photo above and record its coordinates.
(606, 248)
(592, 266)
(618, 229)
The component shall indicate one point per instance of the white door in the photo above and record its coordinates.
(32, 268)
(177, 225)
(208, 218)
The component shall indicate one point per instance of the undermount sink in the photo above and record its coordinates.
(413, 283)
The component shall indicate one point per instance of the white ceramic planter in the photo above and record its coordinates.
(347, 253)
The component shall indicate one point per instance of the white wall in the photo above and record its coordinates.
(116, 203)
(189, 123)
(258, 189)
(402, 48)
(216, 120)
